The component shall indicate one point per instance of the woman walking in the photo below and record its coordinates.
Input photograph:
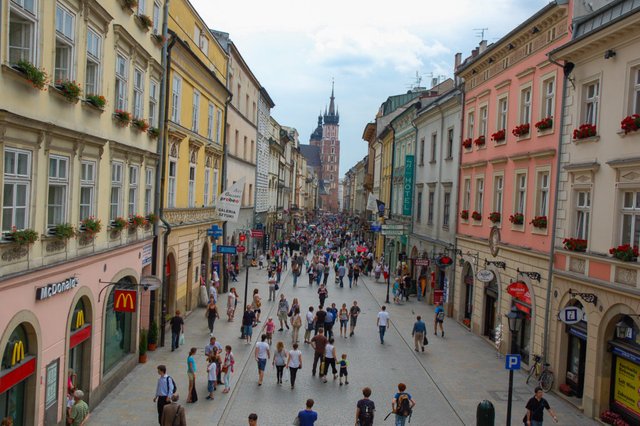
(279, 361)
(283, 311)
(211, 313)
(343, 315)
(296, 323)
(192, 395)
(356, 274)
(323, 293)
(329, 360)
(255, 305)
(294, 362)
(227, 368)
(232, 302)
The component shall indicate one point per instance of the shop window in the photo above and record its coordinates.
(117, 333)
(13, 401)
(17, 185)
(23, 21)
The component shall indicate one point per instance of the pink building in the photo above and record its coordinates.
(507, 174)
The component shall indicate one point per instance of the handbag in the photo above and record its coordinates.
(277, 287)
(296, 421)
(425, 341)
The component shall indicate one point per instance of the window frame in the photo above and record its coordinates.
(28, 17)
(121, 81)
(89, 183)
(466, 193)
(635, 90)
(498, 193)
(634, 212)
(172, 177)
(433, 147)
(17, 179)
(470, 124)
(117, 180)
(479, 195)
(195, 105)
(543, 192)
(520, 196)
(502, 116)
(210, 114)
(153, 103)
(450, 140)
(67, 40)
(483, 116)
(548, 104)
(446, 209)
(431, 202)
(61, 183)
(148, 189)
(591, 104)
(526, 98)
(138, 92)
(581, 226)
(134, 181)
(176, 98)
(95, 60)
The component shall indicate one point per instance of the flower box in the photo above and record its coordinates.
(122, 118)
(22, 236)
(630, 123)
(69, 89)
(539, 222)
(479, 141)
(137, 221)
(516, 218)
(129, 4)
(38, 77)
(144, 21)
(467, 143)
(575, 244)
(140, 124)
(464, 214)
(153, 132)
(118, 224)
(158, 39)
(91, 225)
(494, 217)
(63, 231)
(499, 136)
(476, 215)
(521, 130)
(152, 218)
(624, 252)
(585, 131)
(97, 101)
(544, 124)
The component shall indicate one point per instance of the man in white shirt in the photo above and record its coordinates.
(309, 327)
(383, 322)
(213, 293)
(262, 354)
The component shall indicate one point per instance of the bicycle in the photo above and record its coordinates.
(543, 374)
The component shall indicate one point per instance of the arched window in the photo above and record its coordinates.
(117, 331)
(16, 360)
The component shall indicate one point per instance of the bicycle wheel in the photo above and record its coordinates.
(546, 380)
(532, 371)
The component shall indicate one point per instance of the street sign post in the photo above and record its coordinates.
(227, 249)
(571, 315)
(511, 363)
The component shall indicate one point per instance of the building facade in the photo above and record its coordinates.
(265, 104)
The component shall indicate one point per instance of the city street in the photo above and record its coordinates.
(447, 381)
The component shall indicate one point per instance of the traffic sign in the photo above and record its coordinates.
(241, 249)
(571, 315)
(393, 232)
(393, 226)
(257, 233)
(226, 249)
(375, 227)
(512, 362)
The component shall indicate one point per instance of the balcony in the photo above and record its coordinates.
(598, 269)
(189, 216)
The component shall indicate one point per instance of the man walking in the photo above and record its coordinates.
(177, 327)
(262, 354)
(78, 413)
(365, 409)
(164, 390)
(353, 317)
(307, 417)
(535, 409)
(439, 319)
(418, 333)
(342, 271)
(383, 322)
(319, 344)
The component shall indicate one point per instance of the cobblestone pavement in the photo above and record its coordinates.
(447, 381)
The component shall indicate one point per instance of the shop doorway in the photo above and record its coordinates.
(189, 281)
(490, 309)
(79, 356)
(625, 368)
(171, 275)
(467, 279)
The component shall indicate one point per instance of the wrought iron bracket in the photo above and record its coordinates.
(496, 263)
(587, 297)
(532, 275)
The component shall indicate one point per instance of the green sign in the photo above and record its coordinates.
(407, 188)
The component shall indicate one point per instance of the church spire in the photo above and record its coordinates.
(331, 104)
(330, 115)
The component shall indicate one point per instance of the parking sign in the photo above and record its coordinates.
(512, 362)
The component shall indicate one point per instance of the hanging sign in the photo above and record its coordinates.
(571, 315)
(520, 291)
(124, 300)
(230, 201)
(444, 261)
(485, 275)
(422, 262)
(407, 187)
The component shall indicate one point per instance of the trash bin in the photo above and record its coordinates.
(485, 414)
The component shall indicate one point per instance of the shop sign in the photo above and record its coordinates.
(444, 262)
(56, 288)
(578, 333)
(124, 300)
(625, 354)
(17, 354)
(407, 187)
(422, 262)
(520, 291)
(626, 391)
(571, 315)
(485, 275)
(146, 255)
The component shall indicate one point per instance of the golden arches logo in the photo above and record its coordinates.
(125, 301)
(80, 319)
(18, 352)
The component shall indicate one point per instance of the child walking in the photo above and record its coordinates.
(269, 328)
(212, 373)
(343, 369)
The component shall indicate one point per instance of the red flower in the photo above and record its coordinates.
(479, 141)
(584, 131)
(498, 136)
(464, 214)
(521, 130)
(630, 123)
(544, 124)
(467, 143)
(476, 215)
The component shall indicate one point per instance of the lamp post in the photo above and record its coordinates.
(514, 318)
(247, 267)
(389, 273)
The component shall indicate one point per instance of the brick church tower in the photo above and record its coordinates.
(327, 139)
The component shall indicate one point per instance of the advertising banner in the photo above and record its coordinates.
(230, 201)
(124, 300)
(626, 391)
(407, 187)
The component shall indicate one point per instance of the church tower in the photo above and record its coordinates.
(330, 154)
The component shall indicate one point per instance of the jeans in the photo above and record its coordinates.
(400, 420)
(227, 379)
(175, 338)
(319, 278)
(316, 356)
(341, 282)
(211, 319)
(329, 362)
(279, 371)
(292, 375)
(536, 423)
(295, 279)
(350, 281)
(382, 328)
(272, 292)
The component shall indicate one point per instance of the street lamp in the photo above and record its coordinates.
(247, 267)
(514, 318)
(388, 259)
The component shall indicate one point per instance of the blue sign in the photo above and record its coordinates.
(226, 249)
(512, 362)
(259, 226)
(376, 227)
(211, 233)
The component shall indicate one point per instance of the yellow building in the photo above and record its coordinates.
(195, 133)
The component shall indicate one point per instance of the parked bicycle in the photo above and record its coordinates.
(542, 373)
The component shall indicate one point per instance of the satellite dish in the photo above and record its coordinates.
(150, 282)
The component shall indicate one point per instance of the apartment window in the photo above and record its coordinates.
(479, 195)
(422, 151)
(528, 48)
(148, 190)
(238, 95)
(156, 17)
(583, 213)
(631, 218)
(237, 142)
(171, 187)
(57, 193)
(207, 184)
(483, 121)
(446, 207)
(192, 181)
(138, 91)
(23, 21)
(203, 42)
(253, 150)
(210, 122)
(470, 124)
(218, 125)
(245, 147)
(176, 89)
(450, 143)
(434, 142)
(521, 192)
(253, 116)
(543, 194)
(133, 190)
(195, 119)
(419, 208)
(250, 194)
(87, 188)
(549, 93)
(64, 43)
(115, 203)
(430, 206)
(466, 201)
(635, 95)
(505, 63)
(498, 188)
(122, 70)
(16, 187)
(525, 105)
(590, 105)
(142, 7)
(153, 103)
(551, 34)
(92, 70)
(503, 106)
(246, 104)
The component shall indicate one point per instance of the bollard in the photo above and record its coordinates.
(485, 414)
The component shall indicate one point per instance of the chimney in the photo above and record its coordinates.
(474, 52)
(434, 82)
(457, 60)
(483, 46)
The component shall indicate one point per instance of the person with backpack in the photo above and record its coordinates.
(365, 409)
(165, 388)
(402, 405)
(296, 324)
(439, 319)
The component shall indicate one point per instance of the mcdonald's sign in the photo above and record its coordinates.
(80, 319)
(124, 300)
(18, 352)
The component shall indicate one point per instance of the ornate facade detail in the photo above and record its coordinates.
(577, 265)
(626, 276)
(14, 252)
(55, 245)
(178, 217)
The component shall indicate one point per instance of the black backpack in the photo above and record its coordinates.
(403, 405)
(173, 382)
(366, 414)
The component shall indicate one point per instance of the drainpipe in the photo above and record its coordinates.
(160, 174)
(457, 202)
(225, 155)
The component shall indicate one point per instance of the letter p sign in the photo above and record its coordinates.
(512, 362)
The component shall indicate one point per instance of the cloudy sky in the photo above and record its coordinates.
(372, 49)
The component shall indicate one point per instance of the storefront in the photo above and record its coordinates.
(576, 356)
(467, 309)
(79, 354)
(625, 377)
(118, 327)
(491, 309)
(521, 300)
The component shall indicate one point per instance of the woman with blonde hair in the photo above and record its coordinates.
(279, 360)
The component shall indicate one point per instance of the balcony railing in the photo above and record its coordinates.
(623, 274)
(190, 215)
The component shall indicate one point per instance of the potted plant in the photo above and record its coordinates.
(624, 252)
(494, 217)
(153, 336)
(64, 231)
(38, 77)
(137, 221)
(118, 224)
(97, 101)
(467, 143)
(140, 124)
(630, 123)
(145, 21)
(480, 141)
(521, 130)
(91, 225)
(544, 124)
(22, 236)
(539, 222)
(123, 118)
(142, 347)
(516, 218)
(584, 131)
(131, 4)
(498, 136)
(153, 132)
(476, 215)
(69, 89)
(158, 39)
(152, 218)
(464, 214)
(575, 244)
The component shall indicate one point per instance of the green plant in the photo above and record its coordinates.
(153, 132)
(23, 236)
(38, 77)
(98, 101)
(494, 217)
(152, 218)
(137, 220)
(130, 3)
(516, 218)
(575, 244)
(539, 222)
(153, 332)
(146, 20)
(624, 252)
(122, 117)
(64, 231)
(142, 347)
(70, 89)
(91, 225)
(119, 223)
(140, 124)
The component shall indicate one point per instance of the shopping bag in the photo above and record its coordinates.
(181, 340)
